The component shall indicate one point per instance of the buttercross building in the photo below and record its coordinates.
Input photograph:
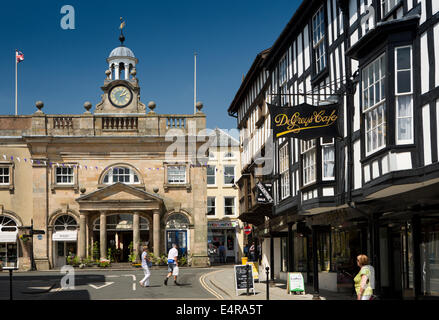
(106, 181)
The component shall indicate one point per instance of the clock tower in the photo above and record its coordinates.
(121, 87)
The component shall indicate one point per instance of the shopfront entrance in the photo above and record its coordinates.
(222, 233)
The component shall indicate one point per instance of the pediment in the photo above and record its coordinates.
(120, 192)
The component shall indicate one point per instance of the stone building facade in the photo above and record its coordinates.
(106, 178)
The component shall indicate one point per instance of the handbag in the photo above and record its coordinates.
(175, 271)
(149, 263)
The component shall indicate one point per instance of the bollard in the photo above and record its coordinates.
(247, 268)
(268, 284)
(10, 284)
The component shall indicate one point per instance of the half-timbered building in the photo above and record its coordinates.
(372, 189)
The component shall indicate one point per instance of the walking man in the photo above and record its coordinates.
(172, 263)
(145, 261)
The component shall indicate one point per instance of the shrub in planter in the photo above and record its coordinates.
(104, 263)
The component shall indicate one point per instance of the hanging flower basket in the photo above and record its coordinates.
(24, 238)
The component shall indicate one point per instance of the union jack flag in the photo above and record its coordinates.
(19, 55)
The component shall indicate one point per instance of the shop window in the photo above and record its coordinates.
(300, 253)
(8, 249)
(323, 253)
(211, 206)
(429, 249)
(284, 254)
(340, 253)
(404, 95)
(408, 262)
(374, 105)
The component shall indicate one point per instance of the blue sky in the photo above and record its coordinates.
(65, 68)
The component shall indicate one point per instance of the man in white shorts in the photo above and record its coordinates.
(172, 263)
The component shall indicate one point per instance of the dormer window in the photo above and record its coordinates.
(121, 174)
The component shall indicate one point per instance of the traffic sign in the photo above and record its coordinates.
(247, 230)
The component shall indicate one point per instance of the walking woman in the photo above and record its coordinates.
(145, 262)
(365, 279)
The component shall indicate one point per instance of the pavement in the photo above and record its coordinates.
(221, 283)
(121, 282)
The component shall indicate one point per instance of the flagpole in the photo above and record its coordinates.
(195, 83)
(16, 96)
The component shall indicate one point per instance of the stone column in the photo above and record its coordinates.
(103, 236)
(40, 214)
(136, 235)
(156, 230)
(82, 252)
(116, 72)
(127, 71)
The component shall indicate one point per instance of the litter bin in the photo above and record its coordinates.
(244, 260)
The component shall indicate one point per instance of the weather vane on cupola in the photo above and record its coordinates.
(121, 37)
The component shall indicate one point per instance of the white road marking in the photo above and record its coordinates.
(134, 279)
(100, 287)
(112, 276)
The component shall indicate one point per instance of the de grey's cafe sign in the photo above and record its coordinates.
(304, 121)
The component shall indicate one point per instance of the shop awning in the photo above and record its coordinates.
(65, 236)
(8, 236)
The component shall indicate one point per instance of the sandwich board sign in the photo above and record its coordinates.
(295, 283)
(241, 279)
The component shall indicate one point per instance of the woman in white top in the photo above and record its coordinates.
(145, 281)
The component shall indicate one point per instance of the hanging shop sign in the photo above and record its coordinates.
(304, 121)
(264, 193)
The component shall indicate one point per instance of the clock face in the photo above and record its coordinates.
(120, 96)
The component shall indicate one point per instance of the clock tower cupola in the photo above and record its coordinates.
(121, 87)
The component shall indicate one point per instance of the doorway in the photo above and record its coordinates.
(63, 249)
